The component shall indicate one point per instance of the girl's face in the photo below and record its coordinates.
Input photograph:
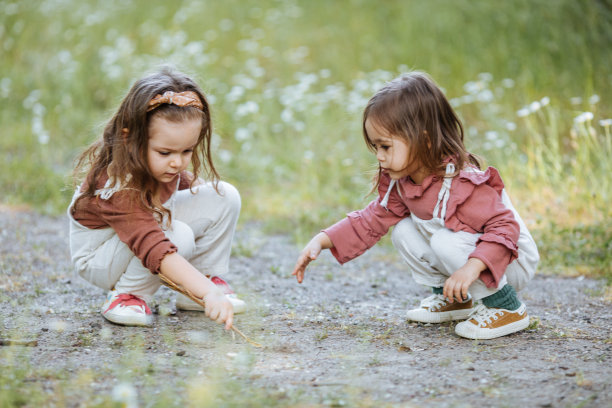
(171, 145)
(393, 154)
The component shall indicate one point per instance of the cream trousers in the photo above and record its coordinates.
(432, 258)
(202, 229)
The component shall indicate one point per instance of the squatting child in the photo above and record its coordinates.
(139, 212)
(454, 224)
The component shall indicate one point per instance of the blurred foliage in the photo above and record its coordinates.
(288, 81)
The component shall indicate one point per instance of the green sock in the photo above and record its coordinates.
(437, 291)
(505, 298)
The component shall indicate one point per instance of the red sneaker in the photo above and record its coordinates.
(126, 309)
(184, 303)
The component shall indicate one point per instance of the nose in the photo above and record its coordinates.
(380, 155)
(176, 162)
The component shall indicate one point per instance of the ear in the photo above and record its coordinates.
(124, 134)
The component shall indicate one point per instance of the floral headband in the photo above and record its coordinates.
(182, 99)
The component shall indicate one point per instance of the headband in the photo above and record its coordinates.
(182, 99)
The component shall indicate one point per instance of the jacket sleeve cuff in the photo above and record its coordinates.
(157, 256)
(497, 258)
(338, 233)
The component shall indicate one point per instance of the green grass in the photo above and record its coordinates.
(289, 80)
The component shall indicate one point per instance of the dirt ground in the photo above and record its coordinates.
(339, 339)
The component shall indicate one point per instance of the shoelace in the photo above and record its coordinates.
(127, 299)
(433, 301)
(484, 315)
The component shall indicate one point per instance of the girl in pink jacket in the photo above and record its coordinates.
(453, 223)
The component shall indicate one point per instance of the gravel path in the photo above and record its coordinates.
(339, 339)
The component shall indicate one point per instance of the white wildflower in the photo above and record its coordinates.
(485, 95)
(491, 135)
(594, 99)
(31, 99)
(126, 394)
(576, 100)
(235, 93)
(583, 117)
(195, 48)
(38, 109)
(225, 155)
(58, 325)
(286, 115)
(455, 102)
(248, 45)
(507, 83)
(511, 126)
(545, 101)
(535, 106)
(242, 134)
(299, 126)
(247, 108)
(325, 73)
(467, 99)
(521, 113)
(605, 122)
(226, 24)
(296, 56)
(473, 87)
(268, 52)
(485, 76)
(5, 86)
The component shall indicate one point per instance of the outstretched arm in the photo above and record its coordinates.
(310, 252)
(180, 271)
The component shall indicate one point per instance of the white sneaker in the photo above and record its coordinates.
(489, 322)
(436, 309)
(185, 303)
(126, 309)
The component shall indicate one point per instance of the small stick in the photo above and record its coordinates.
(167, 282)
(18, 342)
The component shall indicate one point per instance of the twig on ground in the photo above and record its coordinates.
(167, 282)
(18, 342)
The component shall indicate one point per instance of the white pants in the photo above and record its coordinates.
(433, 258)
(202, 229)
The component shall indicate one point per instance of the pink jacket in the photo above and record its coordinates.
(474, 206)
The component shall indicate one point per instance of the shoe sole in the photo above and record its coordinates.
(128, 320)
(424, 316)
(469, 331)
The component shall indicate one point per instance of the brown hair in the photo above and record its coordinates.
(415, 109)
(121, 154)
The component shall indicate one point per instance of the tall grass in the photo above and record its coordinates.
(288, 81)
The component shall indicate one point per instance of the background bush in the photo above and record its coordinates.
(288, 81)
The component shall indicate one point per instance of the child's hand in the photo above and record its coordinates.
(219, 309)
(310, 253)
(457, 285)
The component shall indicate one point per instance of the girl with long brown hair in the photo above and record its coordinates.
(151, 202)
